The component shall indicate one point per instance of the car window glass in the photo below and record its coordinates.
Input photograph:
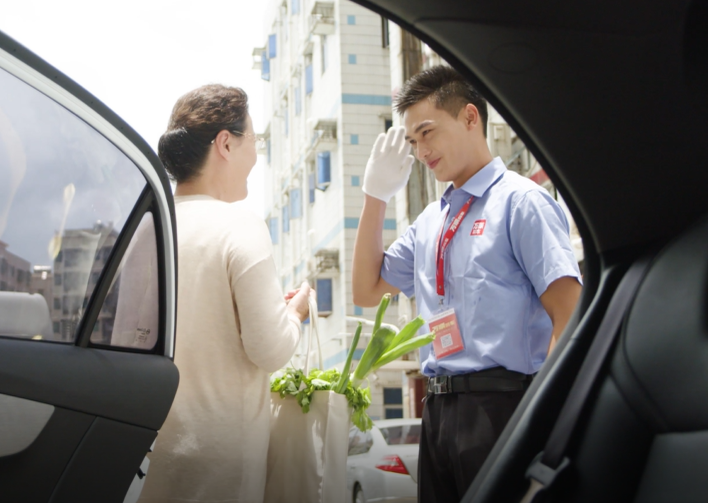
(65, 195)
(359, 442)
(129, 315)
(399, 435)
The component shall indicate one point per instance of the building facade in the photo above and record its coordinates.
(15, 273)
(328, 96)
(76, 271)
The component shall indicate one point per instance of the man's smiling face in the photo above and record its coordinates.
(440, 141)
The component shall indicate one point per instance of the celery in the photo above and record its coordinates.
(402, 349)
(344, 378)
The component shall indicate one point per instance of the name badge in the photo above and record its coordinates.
(448, 340)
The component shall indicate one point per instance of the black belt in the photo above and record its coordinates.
(494, 379)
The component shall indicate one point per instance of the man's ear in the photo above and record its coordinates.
(470, 115)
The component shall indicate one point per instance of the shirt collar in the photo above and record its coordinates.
(479, 183)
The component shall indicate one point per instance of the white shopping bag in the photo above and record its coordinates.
(307, 454)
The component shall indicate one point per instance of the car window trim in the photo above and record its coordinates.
(55, 90)
(84, 330)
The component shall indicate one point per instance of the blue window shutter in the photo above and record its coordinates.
(295, 203)
(324, 295)
(273, 227)
(295, 7)
(323, 170)
(286, 218)
(311, 187)
(298, 101)
(272, 46)
(265, 66)
(308, 79)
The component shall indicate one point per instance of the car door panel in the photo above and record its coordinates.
(105, 399)
(94, 475)
(32, 474)
(134, 389)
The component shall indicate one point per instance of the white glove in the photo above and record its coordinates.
(389, 165)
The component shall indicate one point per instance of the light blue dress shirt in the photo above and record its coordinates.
(493, 280)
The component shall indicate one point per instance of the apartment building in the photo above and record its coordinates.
(14, 271)
(328, 96)
(77, 268)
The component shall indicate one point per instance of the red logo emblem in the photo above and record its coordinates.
(478, 227)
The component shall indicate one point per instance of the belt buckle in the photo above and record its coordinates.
(442, 385)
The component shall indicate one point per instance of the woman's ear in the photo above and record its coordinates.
(222, 143)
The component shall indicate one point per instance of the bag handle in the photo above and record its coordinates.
(313, 332)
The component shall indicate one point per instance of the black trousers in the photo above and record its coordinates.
(459, 431)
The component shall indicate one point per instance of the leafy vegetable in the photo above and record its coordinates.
(293, 382)
(384, 347)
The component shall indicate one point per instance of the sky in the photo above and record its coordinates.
(139, 57)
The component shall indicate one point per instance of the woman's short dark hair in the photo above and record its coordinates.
(196, 119)
(445, 88)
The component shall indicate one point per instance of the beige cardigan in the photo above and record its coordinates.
(232, 330)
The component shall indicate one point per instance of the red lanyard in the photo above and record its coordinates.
(441, 247)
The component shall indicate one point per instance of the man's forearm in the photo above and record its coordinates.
(368, 252)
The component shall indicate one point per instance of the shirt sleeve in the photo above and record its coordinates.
(540, 240)
(268, 334)
(398, 267)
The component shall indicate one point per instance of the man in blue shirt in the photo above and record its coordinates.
(490, 265)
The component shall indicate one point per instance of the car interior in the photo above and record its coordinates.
(609, 97)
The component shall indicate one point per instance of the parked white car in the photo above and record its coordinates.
(383, 462)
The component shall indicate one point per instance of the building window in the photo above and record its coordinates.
(295, 7)
(3, 286)
(311, 187)
(388, 124)
(323, 170)
(358, 311)
(57, 279)
(56, 326)
(272, 46)
(352, 59)
(273, 227)
(356, 181)
(286, 117)
(324, 296)
(354, 139)
(265, 66)
(295, 203)
(384, 32)
(286, 218)
(308, 79)
(298, 101)
(3, 266)
(268, 150)
(393, 403)
(57, 303)
(325, 55)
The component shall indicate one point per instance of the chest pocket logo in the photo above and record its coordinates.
(478, 227)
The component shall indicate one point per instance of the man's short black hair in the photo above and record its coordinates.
(445, 88)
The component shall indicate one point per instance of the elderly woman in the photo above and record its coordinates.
(233, 324)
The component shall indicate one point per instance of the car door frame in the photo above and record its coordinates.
(103, 416)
